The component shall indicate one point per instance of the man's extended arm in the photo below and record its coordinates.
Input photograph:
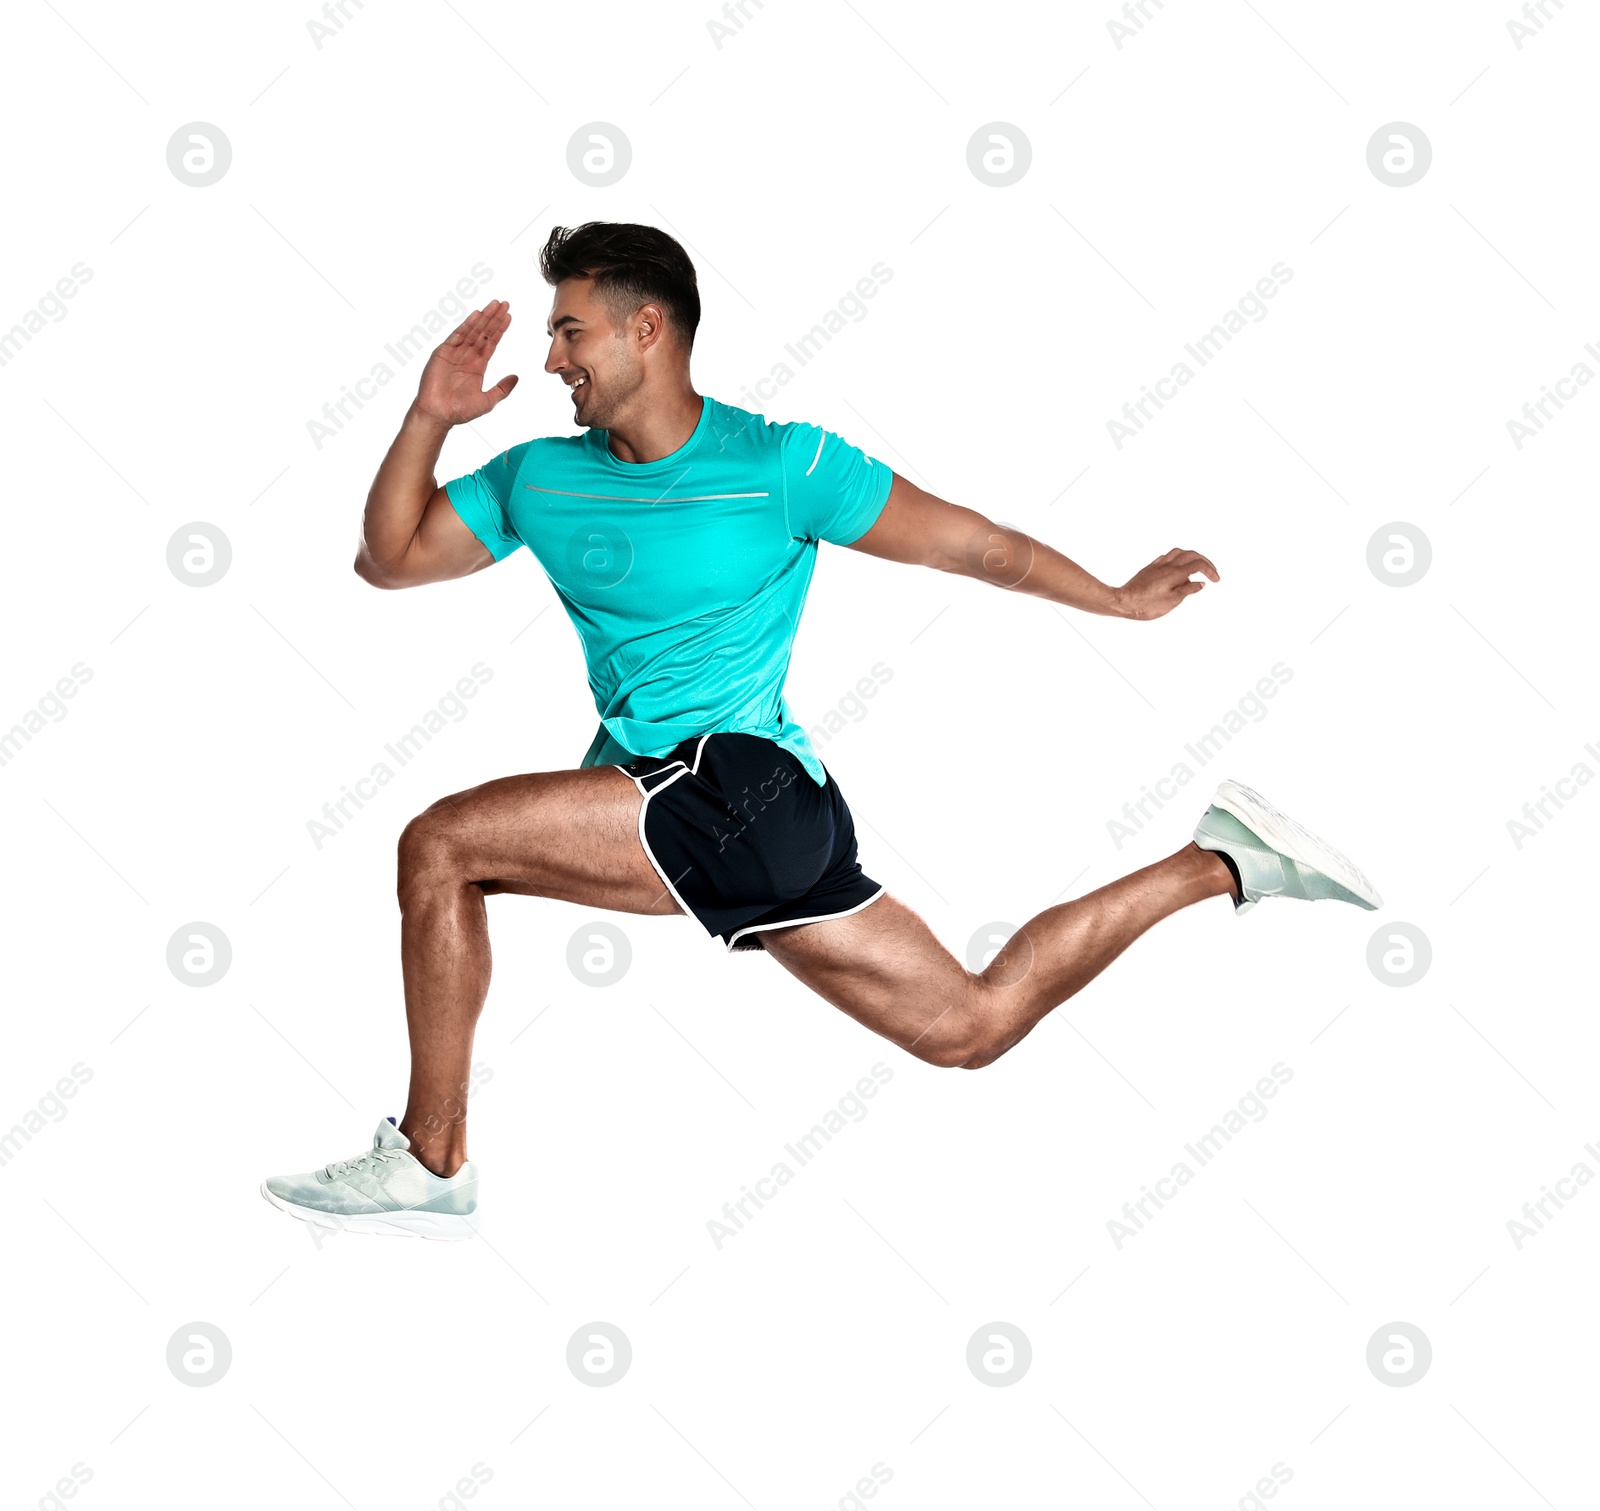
(410, 533)
(921, 529)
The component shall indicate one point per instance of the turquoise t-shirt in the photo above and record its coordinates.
(684, 577)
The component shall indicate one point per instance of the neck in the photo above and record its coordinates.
(659, 426)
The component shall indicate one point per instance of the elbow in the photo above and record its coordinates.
(373, 574)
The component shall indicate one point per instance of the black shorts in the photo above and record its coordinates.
(745, 840)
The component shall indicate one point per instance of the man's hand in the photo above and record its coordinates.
(410, 531)
(451, 390)
(1160, 587)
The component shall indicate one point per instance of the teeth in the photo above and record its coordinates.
(580, 382)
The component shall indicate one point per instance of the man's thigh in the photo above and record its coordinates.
(883, 966)
(568, 835)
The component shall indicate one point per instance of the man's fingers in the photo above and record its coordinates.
(464, 330)
(477, 325)
(487, 331)
(492, 331)
(1182, 556)
(503, 387)
(1183, 553)
(499, 316)
(1186, 562)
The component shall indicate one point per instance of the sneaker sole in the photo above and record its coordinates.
(410, 1224)
(1294, 840)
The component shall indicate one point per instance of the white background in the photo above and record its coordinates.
(1167, 176)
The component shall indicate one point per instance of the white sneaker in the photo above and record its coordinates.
(385, 1190)
(1274, 856)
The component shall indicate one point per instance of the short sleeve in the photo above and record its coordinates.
(835, 491)
(483, 500)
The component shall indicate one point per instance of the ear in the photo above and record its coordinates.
(649, 325)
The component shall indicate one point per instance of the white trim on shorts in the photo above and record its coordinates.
(649, 792)
(793, 923)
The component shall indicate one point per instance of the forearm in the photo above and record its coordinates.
(918, 526)
(1007, 558)
(400, 492)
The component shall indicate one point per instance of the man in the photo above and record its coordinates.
(680, 534)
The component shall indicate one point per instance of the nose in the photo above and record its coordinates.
(552, 363)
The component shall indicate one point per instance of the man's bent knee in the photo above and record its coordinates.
(430, 843)
(961, 1054)
(961, 1038)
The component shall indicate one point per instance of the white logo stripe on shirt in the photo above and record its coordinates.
(821, 441)
(622, 498)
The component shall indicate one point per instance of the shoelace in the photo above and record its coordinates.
(367, 1161)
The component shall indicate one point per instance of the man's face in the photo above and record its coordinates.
(597, 361)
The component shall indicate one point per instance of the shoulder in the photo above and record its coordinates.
(731, 428)
(777, 441)
(542, 452)
(553, 446)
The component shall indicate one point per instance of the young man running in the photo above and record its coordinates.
(680, 534)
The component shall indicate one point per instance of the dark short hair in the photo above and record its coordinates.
(631, 265)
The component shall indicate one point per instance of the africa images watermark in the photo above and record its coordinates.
(850, 709)
(747, 807)
(1536, 412)
(865, 1489)
(335, 13)
(50, 1108)
(50, 304)
(419, 341)
(65, 1488)
(1536, 812)
(51, 706)
(452, 707)
(849, 309)
(1252, 1106)
(1265, 1488)
(850, 1108)
(1535, 1214)
(1136, 413)
(464, 1489)
(1252, 707)
(751, 805)
(1136, 15)
(735, 13)
(1535, 14)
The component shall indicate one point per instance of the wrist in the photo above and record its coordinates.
(1118, 604)
(421, 420)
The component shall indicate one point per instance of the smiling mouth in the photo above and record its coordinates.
(573, 387)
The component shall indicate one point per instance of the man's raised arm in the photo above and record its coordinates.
(410, 533)
(918, 528)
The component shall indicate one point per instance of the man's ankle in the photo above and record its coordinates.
(1222, 875)
(441, 1157)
